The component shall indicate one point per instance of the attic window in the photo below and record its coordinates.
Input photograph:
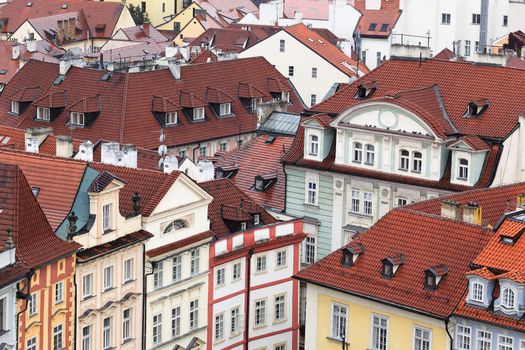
(434, 276)
(171, 118)
(29, 4)
(64, 6)
(384, 27)
(227, 172)
(477, 108)
(365, 90)
(264, 182)
(43, 113)
(225, 109)
(3, 71)
(391, 265)
(198, 113)
(77, 118)
(351, 253)
(270, 139)
(372, 27)
(15, 107)
(510, 240)
(35, 190)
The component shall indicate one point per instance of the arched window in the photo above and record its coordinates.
(507, 298)
(358, 152)
(477, 291)
(462, 169)
(417, 162)
(314, 145)
(404, 160)
(175, 225)
(370, 154)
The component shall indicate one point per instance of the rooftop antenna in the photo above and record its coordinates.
(163, 150)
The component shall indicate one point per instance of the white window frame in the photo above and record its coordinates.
(126, 324)
(338, 321)
(176, 268)
(108, 278)
(477, 292)
(255, 102)
(59, 292)
(43, 113)
(128, 270)
(171, 118)
(357, 152)
(156, 331)
(260, 264)
(77, 118)
(463, 169)
(87, 285)
(377, 330)
(310, 245)
(220, 276)
(279, 308)
(467, 47)
(505, 342)
(312, 189)
(158, 275)
(404, 160)
(256, 219)
(417, 162)
(58, 337)
(506, 298)
(400, 202)
(198, 113)
(419, 341)
(235, 314)
(355, 206)
(15, 107)
(175, 321)
(463, 338)
(106, 216)
(203, 151)
(314, 145)
(370, 154)
(218, 334)
(107, 333)
(225, 109)
(285, 96)
(33, 304)
(280, 258)
(313, 99)
(195, 261)
(236, 274)
(32, 344)
(223, 146)
(259, 312)
(483, 340)
(86, 337)
(368, 198)
(194, 314)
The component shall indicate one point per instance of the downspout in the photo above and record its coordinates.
(447, 320)
(247, 301)
(75, 309)
(285, 186)
(29, 275)
(193, 152)
(144, 293)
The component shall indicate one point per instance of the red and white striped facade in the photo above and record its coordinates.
(251, 274)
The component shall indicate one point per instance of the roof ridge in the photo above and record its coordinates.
(435, 216)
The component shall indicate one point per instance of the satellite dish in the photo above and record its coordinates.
(161, 163)
(163, 150)
(162, 137)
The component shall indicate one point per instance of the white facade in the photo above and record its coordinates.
(8, 331)
(177, 278)
(297, 62)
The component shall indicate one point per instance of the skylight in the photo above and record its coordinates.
(372, 27)
(384, 27)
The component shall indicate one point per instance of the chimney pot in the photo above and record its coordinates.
(15, 51)
(72, 218)
(450, 209)
(472, 213)
(136, 203)
(64, 146)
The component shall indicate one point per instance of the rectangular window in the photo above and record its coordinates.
(260, 312)
(219, 277)
(15, 107)
(467, 47)
(445, 18)
(290, 71)
(422, 339)
(182, 153)
(77, 118)
(505, 342)
(260, 265)
(128, 270)
(363, 56)
(256, 219)
(3, 314)
(194, 314)
(281, 258)
(255, 103)
(476, 46)
(108, 278)
(311, 188)
(87, 286)
(378, 58)
(143, 6)
(339, 315)
(171, 118)
(314, 72)
(86, 338)
(203, 151)
(225, 109)
(175, 321)
(163, 7)
(157, 329)
(106, 333)
(43, 113)
(33, 304)
(195, 262)
(355, 201)
(476, 18)
(57, 337)
(223, 146)
(463, 336)
(313, 99)
(279, 347)
(522, 344)
(279, 308)
(158, 275)
(198, 113)
(219, 327)
(236, 274)
(126, 324)
(31, 344)
(59, 292)
(309, 250)
(484, 340)
(367, 203)
(379, 333)
(281, 45)
(401, 202)
(505, 20)
(285, 96)
(106, 217)
(235, 313)
(177, 268)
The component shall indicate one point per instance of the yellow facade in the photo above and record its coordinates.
(401, 323)
(181, 20)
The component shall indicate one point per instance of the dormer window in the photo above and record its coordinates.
(314, 145)
(477, 108)
(259, 184)
(77, 118)
(508, 298)
(43, 113)
(255, 102)
(285, 96)
(462, 169)
(225, 109)
(256, 219)
(351, 253)
(434, 276)
(198, 113)
(15, 107)
(365, 90)
(171, 118)
(477, 292)
(391, 265)
(106, 217)
(243, 226)
(264, 182)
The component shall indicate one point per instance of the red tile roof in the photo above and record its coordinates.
(448, 55)
(426, 241)
(459, 84)
(483, 273)
(205, 56)
(225, 193)
(323, 48)
(135, 53)
(256, 157)
(6, 62)
(476, 143)
(228, 39)
(117, 244)
(378, 23)
(126, 100)
(138, 33)
(179, 244)
(516, 62)
(36, 244)
(58, 189)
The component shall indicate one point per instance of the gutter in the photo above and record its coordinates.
(144, 293)
(447, 320)
(29, 275)
(75, 307)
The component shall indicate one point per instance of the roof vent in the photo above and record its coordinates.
(106, 76)
(270, 139)
(64, 6)
(29, 4)
(477, 108)
(365, 90)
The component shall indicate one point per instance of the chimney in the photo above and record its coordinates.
(34, 138)
(450, 209)
(72, 220)
(64, 146)
(175, 70)
(31, 43)
(112, 154)
(520, 201)
(372, 4)
(85, 151)
(71, 29)
(15, 51)
(64, 67)
(129, 156)
(146, 27)
(60, 31)
(205, 171)
(472, 213)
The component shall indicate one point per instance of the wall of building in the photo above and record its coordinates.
(518, 337)
(212, 146)
(296, 54)
(374, 47)
(183, 17)
(401, 323)
(8, 297)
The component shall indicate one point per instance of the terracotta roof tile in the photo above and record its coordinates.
(427, 242)
(483, 273)
(102, 181)
(179, 244)
(137, 33)
(7, 64)
(378, 23)
(109, 247)
(473, 141)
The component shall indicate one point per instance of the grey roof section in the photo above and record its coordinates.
(81, 204)
(281, 123)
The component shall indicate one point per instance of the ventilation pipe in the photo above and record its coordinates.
(483, 25)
